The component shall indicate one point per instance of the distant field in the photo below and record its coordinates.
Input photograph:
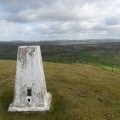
(106, 54)
(79, 91)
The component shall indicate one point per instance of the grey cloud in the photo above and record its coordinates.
(102, 28)
(19, 5)
(43, 15)
(49, 10)
(112, 21)
(60, 16)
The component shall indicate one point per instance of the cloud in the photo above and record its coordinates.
(112, 21)
(58, 18)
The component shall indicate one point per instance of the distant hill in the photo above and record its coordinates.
(62, 42)
(104, 53)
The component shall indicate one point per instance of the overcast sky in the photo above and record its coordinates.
(59, 19)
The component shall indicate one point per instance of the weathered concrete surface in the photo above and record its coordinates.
(30, 87)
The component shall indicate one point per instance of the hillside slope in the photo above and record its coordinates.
(80, 92)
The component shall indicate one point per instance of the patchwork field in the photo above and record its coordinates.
(79, 92)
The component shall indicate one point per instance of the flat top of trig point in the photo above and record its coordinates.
(32, 46)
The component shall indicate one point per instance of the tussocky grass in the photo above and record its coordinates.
(79, 92)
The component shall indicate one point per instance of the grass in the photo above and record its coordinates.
(79, 92)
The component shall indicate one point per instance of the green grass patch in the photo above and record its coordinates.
(79, 92)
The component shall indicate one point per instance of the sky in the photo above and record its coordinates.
(59, 19)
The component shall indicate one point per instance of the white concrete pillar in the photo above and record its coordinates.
(30, 87)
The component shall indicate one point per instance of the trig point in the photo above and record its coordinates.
(30, 87)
